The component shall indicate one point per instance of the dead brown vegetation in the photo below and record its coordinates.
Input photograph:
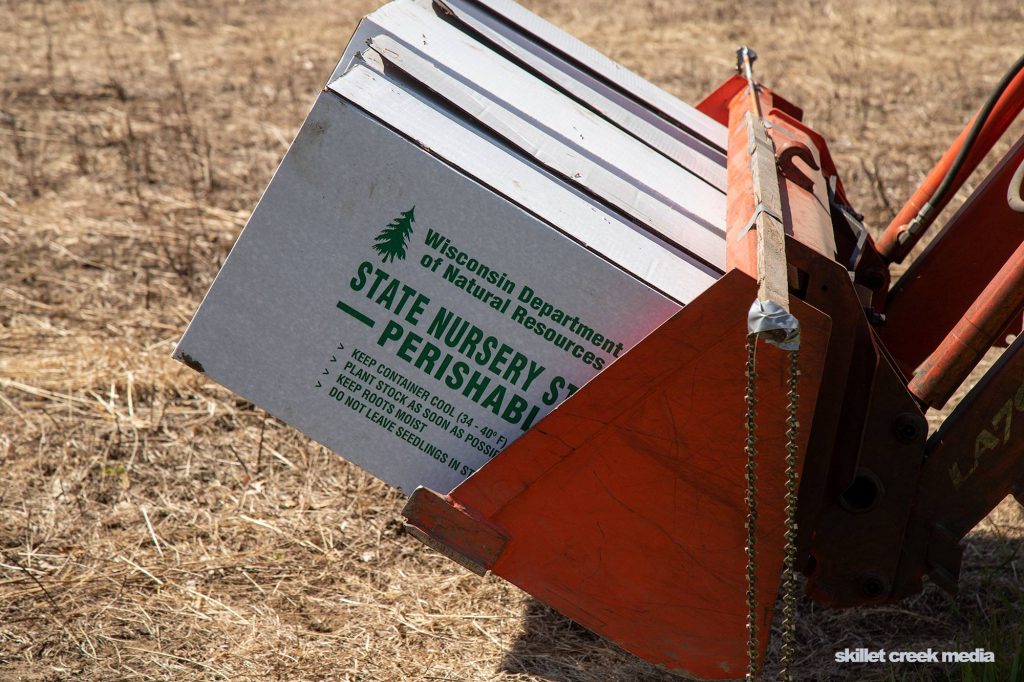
(154, 526)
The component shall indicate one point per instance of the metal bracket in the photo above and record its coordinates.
(853, 221)
(758, 210)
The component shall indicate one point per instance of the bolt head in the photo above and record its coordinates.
(910, 428)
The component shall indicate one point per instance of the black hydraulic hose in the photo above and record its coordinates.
(947, 181)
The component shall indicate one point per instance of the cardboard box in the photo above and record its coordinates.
(414, 296)
(656, 190)
(663, 122)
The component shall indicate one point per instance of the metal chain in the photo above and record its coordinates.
(789, 578)
(751, 499)
(789, 562)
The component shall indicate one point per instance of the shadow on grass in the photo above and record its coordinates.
(552, 647)
(988, 613)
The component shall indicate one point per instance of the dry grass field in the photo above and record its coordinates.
(154, 526)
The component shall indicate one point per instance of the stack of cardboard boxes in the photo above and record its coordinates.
(478, 215)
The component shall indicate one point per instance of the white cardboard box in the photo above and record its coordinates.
(666, 123)
(634, 177)
(662, 121)
(388, 294)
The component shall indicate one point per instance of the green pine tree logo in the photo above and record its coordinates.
(393, 239)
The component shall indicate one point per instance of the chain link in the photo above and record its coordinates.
(789, 578)
(789, 562)
(751, 499)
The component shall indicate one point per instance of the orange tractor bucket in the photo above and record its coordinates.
(624, 510)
